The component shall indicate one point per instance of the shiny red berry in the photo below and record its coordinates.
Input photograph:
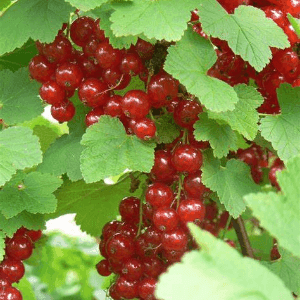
(133, 269)
(159, 195)
(144, 129)
(64, 112)
(93, 116)
(146, 288)
(107, 56)
(11, 293)
(19, 247)
(186, 113)
(175, 240)
(103, 268)
(12, 269)
(113, 106)
(191, 210)
(69, 75)
(52, 93)
(165, 219)
(120, 247)
(129, 209)
(40, 69)
(193, 185)
(126, 289)
(81, 30)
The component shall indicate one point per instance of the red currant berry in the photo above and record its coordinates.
(93, 116)
(274, 255)
(193, 185)
(107, 56)
(191, 210)
(113, 293)
(186, 158)
(186, 113)
(12, 269)
(58, 51)
(52, 93)
(131, 64)
(135, 104)
(113, 106)
(19, 247)
(165, 219)
(153, 266)
(89, 68)
(144, 129)
(4, 284)
(110, 229)
(69, 76)
(35, 235)
(175, 240)
(173, 256)
(120, 247)
(273, 177)
(93, 92)
(11, 293)
(40, 69)
(133, 269)
(126, 289)
(129, 209)
(89, 49)
(159, 195)
(64, 112)
(103, 268)
(276, 15)
(144, 49)
(146, 288)
(99, 32)
(81, 30)
(211, 211)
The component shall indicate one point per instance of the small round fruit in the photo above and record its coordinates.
(129, 209)
(103, 267)
(165, 219)
(175, 240)
(191, 210)
(159, 195)
(11, 293)
(64, 112)
(193, 185)
(81, 30)
(69, 76)
(146, 288)
(52, 93)
(40, 69)
(12, 269)
(120, 247)
(19, 247)
(93, 116)
(107, 56)
(126, 289)
(133, 269)
(144, 129)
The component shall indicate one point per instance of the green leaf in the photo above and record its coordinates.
(19, 149)
(170, 18)
(244, 117)
(283, 130)
(26, 219)
(63, 156)
(280, 213)
(36, 19)
(135, 84)
(219, 272)
(167, 130)
(94, 204)
(2, 245)
(261, 245)
(119, 42)
(248, 31)
(288, 269)
(26, 289)
(86, 5)
(109, 151)
(31, 192)
(231, 182)
(4, 4)
(188, 61)
(22, 103)
(295, 23)
(19, 58)
(220, 136)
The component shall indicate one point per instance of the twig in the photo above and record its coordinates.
(242, 235)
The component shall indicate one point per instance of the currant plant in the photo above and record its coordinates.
(189, 108)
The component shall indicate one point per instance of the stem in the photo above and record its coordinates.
(177, 198)
(141, 211)
(226, 227)
(242, 235)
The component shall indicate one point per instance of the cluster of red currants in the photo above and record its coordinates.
(18, 248)
(284, 66)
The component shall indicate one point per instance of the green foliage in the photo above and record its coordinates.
(4, 4)
(36, 19)
(231, 182)
(262, 245)
(85, 5)
(104, 13)
(19, 149)
(167, 130)
(135, 84)
(283, 130)
(63, 156)
(288, 269)
(19, 58)
(188, 61)
(280, 213)
(26, 289)
(134, 17)
(295, 23)
(244, 117)
(95, 204)
(31, 192)
(221, 137)
(248, 32)
(219, 272)
(109, 151)
(2, 244)
(21, 104)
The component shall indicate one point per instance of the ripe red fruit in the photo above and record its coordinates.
(144, 129)
(35, 235)
(93, 116)
(12, 269)
(69, 75)
(186, 113)
(89, 68)
(193, 185)
(52, 93)
(172, 255)
(40, 69)
(135, 104)
(146, 288)
(99, 32)
(272, 175)
(113, 106)
(161, 89)
(131, 64)
(191, 210)
(64, 112)
(133, 269)
(113, 293)
(159, 195)
(107, 56)
(103, 268)
(19, 247)
(115, 79)
(58, 51)
(175, 240)
(165, 219)
(11, 293)
(120, 247)
(110, 229)
(144, 49)
(4, 283)
(81, 30)
(276, 15)
(153, 266)
(186, 158)
(211, 211)
(126, 289)
(93, 92)
(129, 209)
